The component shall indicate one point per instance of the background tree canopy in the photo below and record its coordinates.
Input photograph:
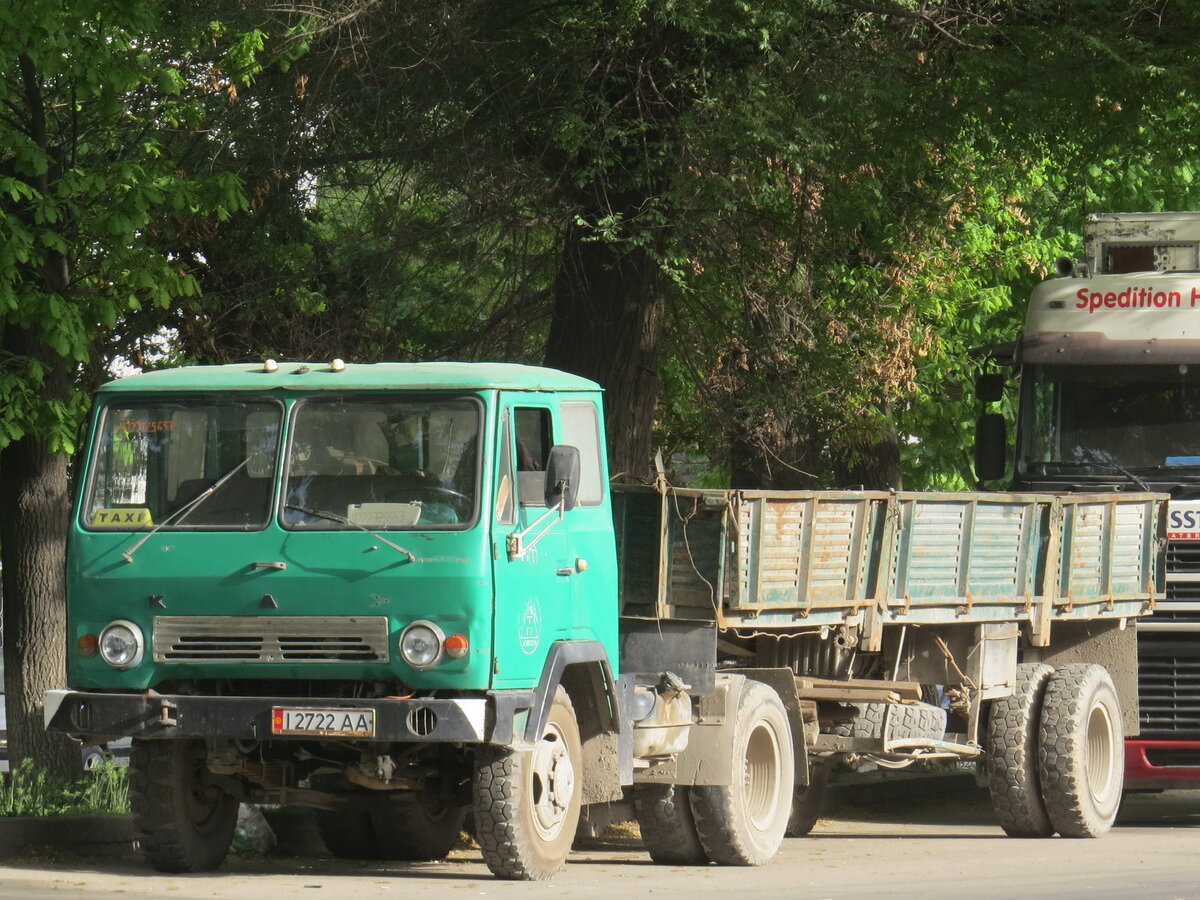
(776, 232)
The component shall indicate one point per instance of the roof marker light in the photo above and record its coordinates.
(269, 365)
(338, 365)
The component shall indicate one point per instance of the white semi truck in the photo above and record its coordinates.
(1109, 371)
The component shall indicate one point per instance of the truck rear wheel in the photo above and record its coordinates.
(418, 832)
(742, 823)
(1081, 750)
(664, 815)
(808, 802)
(349, 834)
(527, 802)
(183, 821)
(1012, 755)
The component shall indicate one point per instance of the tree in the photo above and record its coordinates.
(91, 97)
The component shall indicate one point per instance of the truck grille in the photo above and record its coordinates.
(1169, 651)
(271, 639)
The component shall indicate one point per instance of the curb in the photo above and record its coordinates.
(91, 835)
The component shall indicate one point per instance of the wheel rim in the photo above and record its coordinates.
(761, 780)
(553, 783)
(1100, 750)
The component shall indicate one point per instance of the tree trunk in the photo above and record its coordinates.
(606, 325)
(875, 467)
(33, 496)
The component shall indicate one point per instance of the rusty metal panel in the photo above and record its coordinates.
(783, 560)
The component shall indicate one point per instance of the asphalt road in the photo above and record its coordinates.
(947, 847)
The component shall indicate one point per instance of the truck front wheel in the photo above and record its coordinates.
(742, 823)
(527, 802)
(1081, 750)
(183, 821)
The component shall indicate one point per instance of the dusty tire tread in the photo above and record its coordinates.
(1062, 752)
(664, 815)
(163, 842)
(716, 809)
(1012, 755)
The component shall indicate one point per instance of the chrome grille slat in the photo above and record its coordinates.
(271, 639)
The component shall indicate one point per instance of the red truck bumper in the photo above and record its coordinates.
(1162, 765)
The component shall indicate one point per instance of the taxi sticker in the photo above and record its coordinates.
(122, 518)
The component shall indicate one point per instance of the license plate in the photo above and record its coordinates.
(323, 722)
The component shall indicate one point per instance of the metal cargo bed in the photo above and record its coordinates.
(784, 561)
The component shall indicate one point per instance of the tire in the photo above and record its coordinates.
(527, 802)
(1081, 751)
(418, 832)
(909, 720)
(349, 834)
(1013, 727)
(808, 802)
(742, 823)
(182, 822)
(664, 815)
(92, 757)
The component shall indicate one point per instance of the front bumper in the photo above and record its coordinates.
(95, 716)
(1162, 765)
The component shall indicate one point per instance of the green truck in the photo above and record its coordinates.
(405, 594)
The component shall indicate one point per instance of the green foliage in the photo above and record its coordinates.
(95, 93)
(29, 791)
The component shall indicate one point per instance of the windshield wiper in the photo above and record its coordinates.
(334, 517)
(1092, 461)
(180, 514)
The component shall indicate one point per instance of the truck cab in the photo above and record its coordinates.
(335, 584)
(1110, 400)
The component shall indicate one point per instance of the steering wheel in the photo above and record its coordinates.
(458, 501)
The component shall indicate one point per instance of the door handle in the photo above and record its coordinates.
(565, 570)
(269, 565)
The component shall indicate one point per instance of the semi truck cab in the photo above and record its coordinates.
(1109, 367)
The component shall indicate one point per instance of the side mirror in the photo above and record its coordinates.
(989, 388)
(991, 442)
(562, 476)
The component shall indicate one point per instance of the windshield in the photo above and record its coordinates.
(383, 463)
(1087, 419)
(154, 458)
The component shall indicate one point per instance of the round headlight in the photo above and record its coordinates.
(421, 644)
(121, 644)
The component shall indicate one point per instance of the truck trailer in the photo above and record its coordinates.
(1109, 371)
(403, 594)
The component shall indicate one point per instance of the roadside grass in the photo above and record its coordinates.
(29, 791)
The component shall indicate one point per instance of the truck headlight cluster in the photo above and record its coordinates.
(121, 644)
(423, 645)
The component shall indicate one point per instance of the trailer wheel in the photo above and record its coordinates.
(527, 802)
(418, 832)
(742, 823)
(664, 815)
(183, 822)
(808, 802)
(1081, 750)
(349, 833)
(1012, 755)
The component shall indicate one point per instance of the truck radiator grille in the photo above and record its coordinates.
(271, 639)
(1169, 694)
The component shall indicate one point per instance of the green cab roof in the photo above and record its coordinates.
(318, 376)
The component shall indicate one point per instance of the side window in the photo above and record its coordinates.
(506, 510)
(581, 429)
(533, 446)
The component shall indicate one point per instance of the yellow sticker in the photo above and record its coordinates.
(122, 518)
